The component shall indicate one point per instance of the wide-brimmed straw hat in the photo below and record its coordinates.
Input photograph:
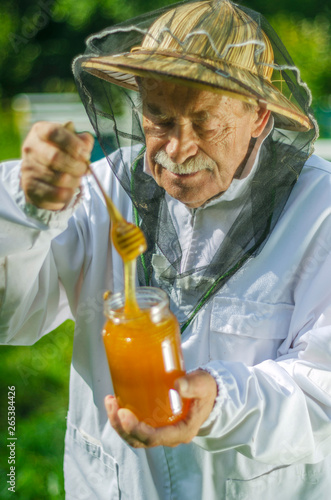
(210, 45)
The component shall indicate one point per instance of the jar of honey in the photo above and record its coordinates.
(144, 355)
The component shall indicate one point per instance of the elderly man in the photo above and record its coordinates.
(236, 213)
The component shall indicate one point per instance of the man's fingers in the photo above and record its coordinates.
(126, 424)
(54, 159)
(199, 386)
(47, 196)
(138, 432)
(78, 147)
(46, 187)
(141, 435)
(112, 409)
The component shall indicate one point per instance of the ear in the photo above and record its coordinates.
(262, 115)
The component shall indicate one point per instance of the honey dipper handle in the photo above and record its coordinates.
(112, 210)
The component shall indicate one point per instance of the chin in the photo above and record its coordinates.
(187, 188)
(189, 199)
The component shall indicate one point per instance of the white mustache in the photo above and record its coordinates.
(191, 166)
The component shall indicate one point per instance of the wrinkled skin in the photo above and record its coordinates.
(186, 123)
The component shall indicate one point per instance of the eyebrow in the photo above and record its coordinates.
(154, 109)
(202, 115)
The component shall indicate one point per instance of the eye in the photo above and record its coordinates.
(166, 123)
(158, 127)
(157, 117)
(203, 130)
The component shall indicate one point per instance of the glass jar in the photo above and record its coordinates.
(144, 355)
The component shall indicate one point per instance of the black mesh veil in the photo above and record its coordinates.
(200, 58)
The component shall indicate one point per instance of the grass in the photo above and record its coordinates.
(40, 374)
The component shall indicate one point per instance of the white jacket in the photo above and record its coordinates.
(266, 337)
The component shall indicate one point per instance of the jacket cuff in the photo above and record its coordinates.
(51, 218)
(219, 400)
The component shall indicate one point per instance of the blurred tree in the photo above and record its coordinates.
(39, 39)
(309, 43)
(304, 8)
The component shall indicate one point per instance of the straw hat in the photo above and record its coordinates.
(211, 45)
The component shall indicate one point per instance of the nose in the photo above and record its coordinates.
(181, 143)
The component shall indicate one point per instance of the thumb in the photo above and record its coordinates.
(198, 384)
(88, 139)
(182, 385)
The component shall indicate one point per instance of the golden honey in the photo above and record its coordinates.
(144, 355)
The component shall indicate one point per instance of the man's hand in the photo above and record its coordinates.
(54, 160)
(199, 386)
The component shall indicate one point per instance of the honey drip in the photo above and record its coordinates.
(131, 307)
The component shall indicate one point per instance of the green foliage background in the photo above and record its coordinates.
(38, 40)
(40, 374)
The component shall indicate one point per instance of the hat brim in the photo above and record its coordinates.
(202, 74)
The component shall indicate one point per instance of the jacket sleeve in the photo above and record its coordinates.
(30, 290)
(279, 411)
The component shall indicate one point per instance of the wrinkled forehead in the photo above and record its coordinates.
(165, 95)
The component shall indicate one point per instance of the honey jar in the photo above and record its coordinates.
(144, 354)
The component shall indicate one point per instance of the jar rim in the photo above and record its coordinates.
(158, 299)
